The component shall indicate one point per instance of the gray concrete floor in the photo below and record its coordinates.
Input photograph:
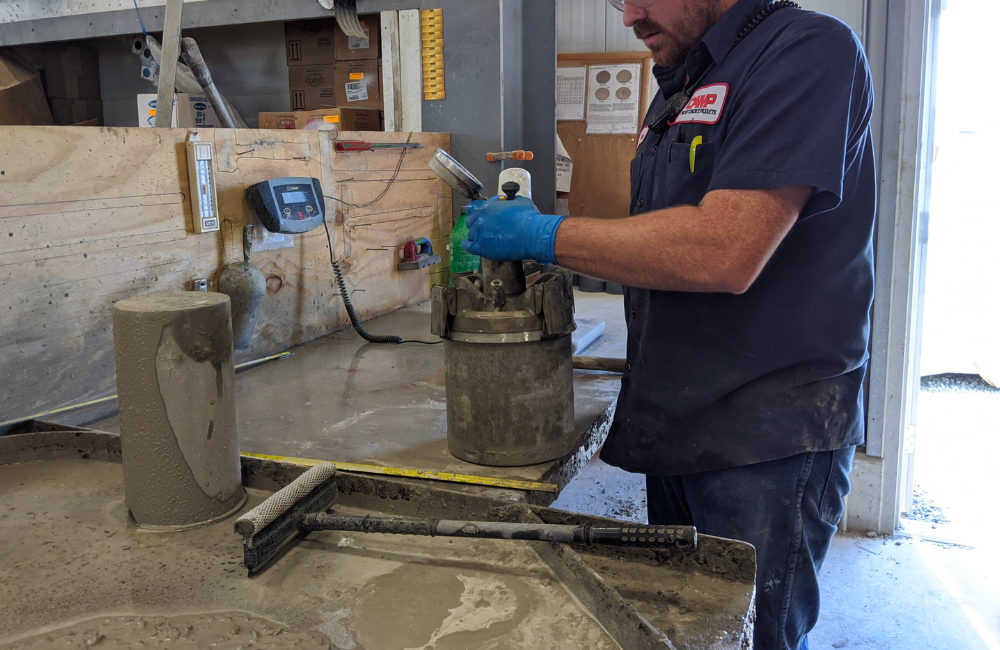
(877, 594)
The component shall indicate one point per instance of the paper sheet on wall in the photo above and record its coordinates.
(571, 91)
(564, 168)
(613, 99)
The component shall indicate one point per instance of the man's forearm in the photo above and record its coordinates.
(686, 248)
(643, 251)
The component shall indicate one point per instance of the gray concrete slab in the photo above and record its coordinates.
(76, 568)
(72, 556)
(341, 399)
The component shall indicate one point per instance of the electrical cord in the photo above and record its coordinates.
(139, 16)
(395, 175)
(349, 305)
(339, 275)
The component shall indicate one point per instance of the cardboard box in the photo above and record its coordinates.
(190, 111)
(312, 87)
(70, 72)
(344, 119)
(359, 84)
(22, 100)
(69, 112)
(350, 48)
(202, 113)
(321, 41)
(310, 42)
(147, 110)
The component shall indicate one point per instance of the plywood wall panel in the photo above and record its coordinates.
(90, 216)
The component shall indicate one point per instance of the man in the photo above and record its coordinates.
(749, 275)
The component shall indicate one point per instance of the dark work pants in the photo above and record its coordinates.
(788, 509)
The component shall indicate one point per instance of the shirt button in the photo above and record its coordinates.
(640, 203)
(634, 315)
(655, 147)
(628, 367)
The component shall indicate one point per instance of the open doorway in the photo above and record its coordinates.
(954, 446)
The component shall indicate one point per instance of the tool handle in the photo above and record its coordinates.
(641, 536)
(519, 154)
(443, 527)
(646, 536)
(353, 145)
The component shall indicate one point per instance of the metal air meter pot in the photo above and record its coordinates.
(508, 354)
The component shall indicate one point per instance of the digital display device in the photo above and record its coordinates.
(288, 205)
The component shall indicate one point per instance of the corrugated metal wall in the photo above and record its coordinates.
(594, 26)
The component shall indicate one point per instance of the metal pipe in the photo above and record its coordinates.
(599, 364)
(192, 56)
(186, 83)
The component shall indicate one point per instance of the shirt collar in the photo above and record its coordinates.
(721, 37)
(717, 42)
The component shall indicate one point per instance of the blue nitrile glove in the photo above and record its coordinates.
(511, 231)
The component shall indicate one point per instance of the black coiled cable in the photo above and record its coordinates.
(759, 18)
(349, 306)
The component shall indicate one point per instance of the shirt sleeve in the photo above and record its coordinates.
(801, 111)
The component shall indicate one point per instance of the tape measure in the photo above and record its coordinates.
(511, 484)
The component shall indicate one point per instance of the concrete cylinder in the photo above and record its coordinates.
(177, 401)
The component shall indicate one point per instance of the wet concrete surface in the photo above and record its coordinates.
(704, 596)
(341, 399)
(71, 554)
(219, 630)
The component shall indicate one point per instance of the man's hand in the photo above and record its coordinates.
(511, 231)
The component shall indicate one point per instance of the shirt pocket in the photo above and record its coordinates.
(678, 184)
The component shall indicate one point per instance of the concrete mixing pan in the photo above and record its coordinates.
(75, 570)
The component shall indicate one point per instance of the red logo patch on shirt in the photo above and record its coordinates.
(705, 106)
(642, 136)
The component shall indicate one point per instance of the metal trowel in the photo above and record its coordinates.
(245, 285)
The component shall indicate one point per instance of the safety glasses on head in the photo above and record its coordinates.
(620, 4)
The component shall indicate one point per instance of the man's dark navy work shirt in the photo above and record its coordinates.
(718, 380)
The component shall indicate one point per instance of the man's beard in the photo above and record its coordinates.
(680, 37)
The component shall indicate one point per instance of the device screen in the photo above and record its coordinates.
(294, 197)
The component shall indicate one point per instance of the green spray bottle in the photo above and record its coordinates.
(462, 260)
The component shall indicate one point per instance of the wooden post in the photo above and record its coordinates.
(168, 63)
(411, 70)
(391, 86)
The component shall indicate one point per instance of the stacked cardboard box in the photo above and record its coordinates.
(348, 119)
(328, 69)
(189, 111)
(72, 82)
(22, 100)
